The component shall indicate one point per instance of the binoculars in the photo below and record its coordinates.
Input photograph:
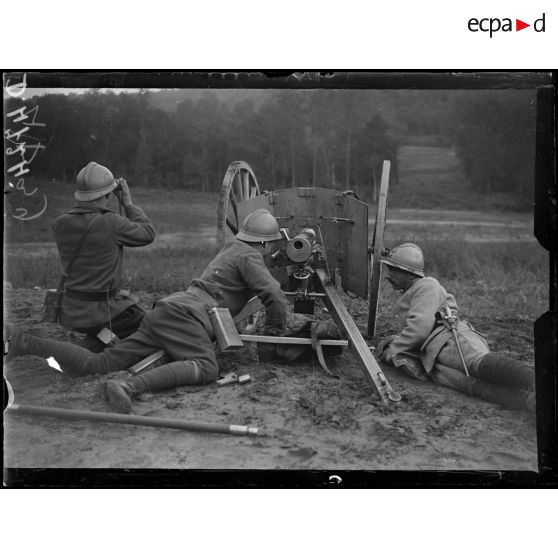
(118, 190)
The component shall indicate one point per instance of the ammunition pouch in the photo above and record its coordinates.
(51, 306)
(224, 329)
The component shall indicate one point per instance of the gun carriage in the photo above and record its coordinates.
(324, 250)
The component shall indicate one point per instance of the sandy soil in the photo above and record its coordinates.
(307, 419)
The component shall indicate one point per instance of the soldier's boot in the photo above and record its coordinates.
(74, 360)
(174, 374)
(119, 394)
(506, 371)
(510, 398)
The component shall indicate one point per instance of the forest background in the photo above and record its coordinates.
(185, 139)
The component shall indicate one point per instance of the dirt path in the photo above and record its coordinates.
(308, 420)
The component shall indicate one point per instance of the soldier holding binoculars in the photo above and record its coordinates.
(90, 239)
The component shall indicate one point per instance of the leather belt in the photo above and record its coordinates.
(201, 295)
(90, 296)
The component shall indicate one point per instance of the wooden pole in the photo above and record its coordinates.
(292, 340)
(138, 420)
(376, 269)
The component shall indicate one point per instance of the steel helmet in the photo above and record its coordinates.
(259, 226)
(94, 181)
(407, 257)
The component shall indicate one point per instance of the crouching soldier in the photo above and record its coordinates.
(90, 240)
(179, 324)
(426, 346)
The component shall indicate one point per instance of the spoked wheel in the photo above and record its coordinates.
(240, 184)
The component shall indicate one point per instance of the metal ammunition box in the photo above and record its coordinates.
(225, 329)
(107, 336)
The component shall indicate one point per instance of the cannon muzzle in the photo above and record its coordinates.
(299, 248)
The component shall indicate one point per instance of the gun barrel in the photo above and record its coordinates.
(299, 248)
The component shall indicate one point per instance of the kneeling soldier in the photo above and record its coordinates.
(90, 240)
(179, 324)
(434, 344)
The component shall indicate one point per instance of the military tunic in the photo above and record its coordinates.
(179, 323)
(424, 335)
(426, 349)
(239, 273)
(98, 267)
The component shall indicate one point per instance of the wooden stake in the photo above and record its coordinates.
(376, 268)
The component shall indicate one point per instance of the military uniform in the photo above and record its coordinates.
(92, 298)
(179, 324)
(425, 348)
(424, 335)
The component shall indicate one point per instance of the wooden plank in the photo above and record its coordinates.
(357, 344)
(311, 295)
(376, 267)
(293, 340)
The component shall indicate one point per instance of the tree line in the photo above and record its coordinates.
(328, 138)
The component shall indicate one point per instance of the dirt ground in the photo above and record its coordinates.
(307, 419)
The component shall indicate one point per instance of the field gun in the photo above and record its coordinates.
(301, 255)
(324, 249)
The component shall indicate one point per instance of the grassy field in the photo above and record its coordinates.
(493, 268)
(170, 210)
(431, 177)
(488, 258)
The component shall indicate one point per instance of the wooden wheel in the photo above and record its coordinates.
(240, 184)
